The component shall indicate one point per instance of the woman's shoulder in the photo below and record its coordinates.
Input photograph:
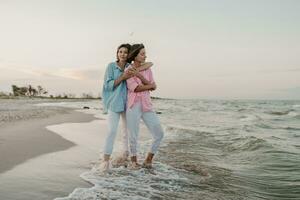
(128, 66)
(111, 64)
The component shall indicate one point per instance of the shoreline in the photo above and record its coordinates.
(38, 163)
(23, 140)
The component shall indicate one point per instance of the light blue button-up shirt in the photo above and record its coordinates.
(114, 99)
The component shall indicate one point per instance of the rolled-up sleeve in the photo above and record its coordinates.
(109, 78)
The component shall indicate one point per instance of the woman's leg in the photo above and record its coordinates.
(153, 124)
(133, 116)
(113, 121)
(125, 135)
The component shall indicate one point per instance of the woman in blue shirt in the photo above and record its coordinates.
(114, 97)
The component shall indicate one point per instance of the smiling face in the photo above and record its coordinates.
(141, 57)
(122, 54)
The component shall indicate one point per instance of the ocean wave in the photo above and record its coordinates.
(290, 128)
(264, 126)
(249, 143)
(181, 129)
(280, 113)
(250, 118)
(121, 183)
(296, 116)
(246, 166)
(293, 113)
(268, 126)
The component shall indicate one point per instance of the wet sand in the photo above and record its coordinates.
(36, 163)
(22, 140)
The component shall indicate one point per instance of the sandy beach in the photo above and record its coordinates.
(24, 140)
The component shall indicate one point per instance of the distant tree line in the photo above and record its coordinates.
(39, 91)
(28, 91)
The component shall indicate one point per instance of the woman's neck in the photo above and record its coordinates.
(121, 64)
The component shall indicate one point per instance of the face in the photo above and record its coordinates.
(141, 57)
(122, 54)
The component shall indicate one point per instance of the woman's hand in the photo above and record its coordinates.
(140, 76)
(127, 74)
(153, 86)
(132, 70)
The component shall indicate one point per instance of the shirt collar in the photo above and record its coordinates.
(126, 65)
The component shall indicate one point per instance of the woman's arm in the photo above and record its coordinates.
(142, 78)
(151, 86)
(121, 78)
(135, 71)
(145, 66)
(141, 88)
(125, 75)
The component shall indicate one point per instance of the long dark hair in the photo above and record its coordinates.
(134, 51)
(127, 46)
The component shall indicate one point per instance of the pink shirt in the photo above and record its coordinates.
(143, 97)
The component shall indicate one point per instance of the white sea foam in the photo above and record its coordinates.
(250, 118)
(293, 114)
(122, 183)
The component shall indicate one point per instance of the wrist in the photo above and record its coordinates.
(123, 77)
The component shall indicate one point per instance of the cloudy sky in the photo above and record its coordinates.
(208, 49)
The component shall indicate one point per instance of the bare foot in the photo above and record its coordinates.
(147, 165)
(135, 166)
(148, 161)
(105, 166)
(121, 160)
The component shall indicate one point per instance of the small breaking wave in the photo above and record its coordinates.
(122, 183)
(181, 129)
(249, 143)
(296, 116)
(280, 113)
(250, 118)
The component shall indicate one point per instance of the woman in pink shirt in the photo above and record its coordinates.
(114, 96)
(139, 106)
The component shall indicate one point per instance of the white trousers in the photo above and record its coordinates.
(133, 117)
(113, 122)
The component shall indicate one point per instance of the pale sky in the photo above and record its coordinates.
(208, 49)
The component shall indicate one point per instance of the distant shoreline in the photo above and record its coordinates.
(41, 97)
(158, 98)
(59, 98)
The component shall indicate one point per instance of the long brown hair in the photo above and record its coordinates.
(134, 51)
(127, 46)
